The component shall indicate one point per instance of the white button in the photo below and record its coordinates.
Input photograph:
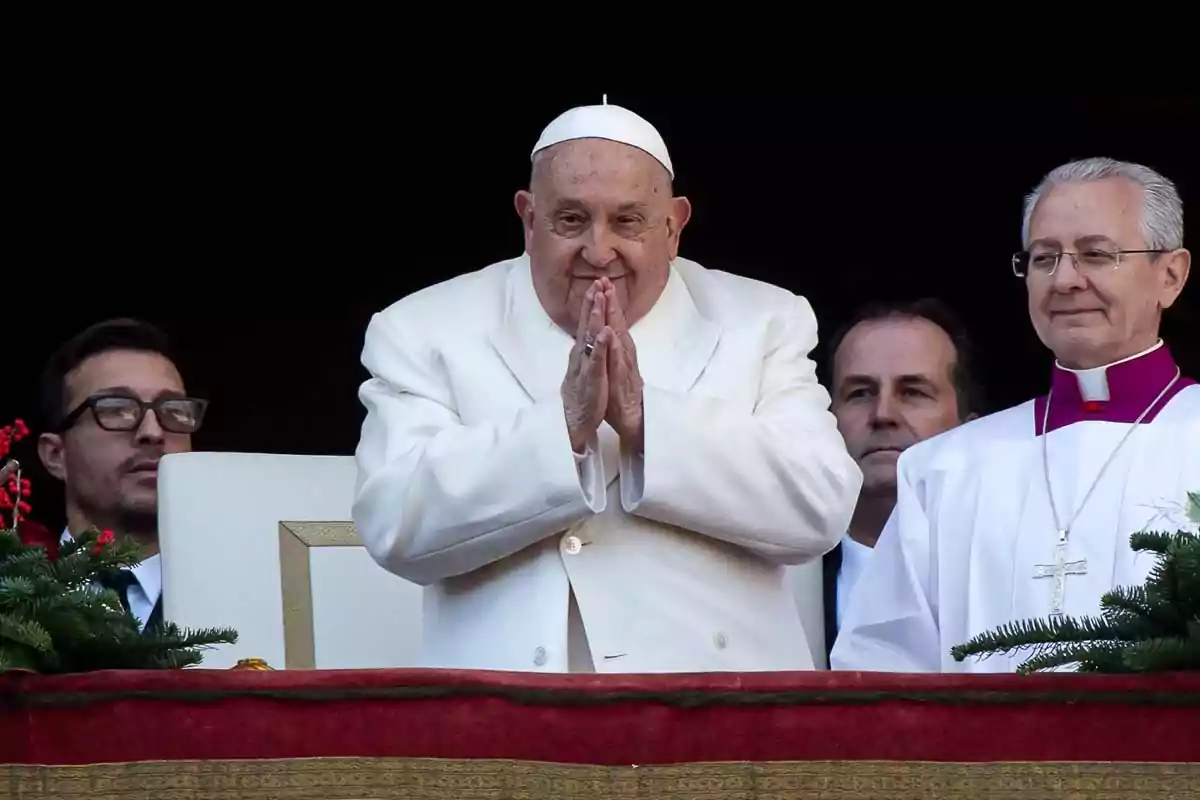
(720, 641)
(539, 656)
(573, 545)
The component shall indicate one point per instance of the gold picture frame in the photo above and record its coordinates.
(295, 540)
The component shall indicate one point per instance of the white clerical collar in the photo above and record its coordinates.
(1093, 382)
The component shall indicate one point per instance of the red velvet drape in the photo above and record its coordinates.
(607, 720)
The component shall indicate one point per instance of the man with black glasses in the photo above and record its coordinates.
(113, 403)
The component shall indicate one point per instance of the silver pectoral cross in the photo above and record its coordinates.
(1059, 570)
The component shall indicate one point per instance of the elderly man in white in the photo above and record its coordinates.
(599, 457)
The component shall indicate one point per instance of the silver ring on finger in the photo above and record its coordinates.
(588, 347)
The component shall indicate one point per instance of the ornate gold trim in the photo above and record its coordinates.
(479, 779)
(295, 539)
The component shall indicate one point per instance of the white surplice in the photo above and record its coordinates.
(973, 524)
(536, 561)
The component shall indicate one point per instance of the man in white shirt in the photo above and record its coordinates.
(113, 403)
(901, 373)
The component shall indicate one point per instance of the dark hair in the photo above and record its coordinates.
(103, 337)
(970, 395)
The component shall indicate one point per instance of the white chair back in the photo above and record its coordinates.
(264, 544)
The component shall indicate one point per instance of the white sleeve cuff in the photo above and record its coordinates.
(591, 476)
(633, 479)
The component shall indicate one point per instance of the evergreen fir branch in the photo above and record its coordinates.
(1170, 585)
(1140, 613)
(1103, 658)
(69, 571)
(1161, 583)
(1157, 542)
(1163, 655)
(26, 563)
(1084, 656)
(1023, 634)
(126, 648)
(16, 590)
(25, 632)
(1126, 602)
(72, 614)
(1187, 587)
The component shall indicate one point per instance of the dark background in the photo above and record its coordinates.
(262, 234)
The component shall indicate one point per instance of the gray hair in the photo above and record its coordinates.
(1162, 210)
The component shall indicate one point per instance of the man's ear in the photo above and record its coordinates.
(50, 451)
(1176, 266)
(524, 205)
(681, 212)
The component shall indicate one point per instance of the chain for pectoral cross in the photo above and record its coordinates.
(1061, 568)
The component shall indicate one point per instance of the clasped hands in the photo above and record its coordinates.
(603, 383)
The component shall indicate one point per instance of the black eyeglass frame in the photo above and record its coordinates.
(1025, 255)
(157, 406)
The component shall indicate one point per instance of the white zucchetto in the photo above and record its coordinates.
(606, 122)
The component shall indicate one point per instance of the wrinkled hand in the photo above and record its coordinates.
(624, 411)
(585, 389)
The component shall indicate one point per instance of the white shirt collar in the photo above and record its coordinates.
(855, 552)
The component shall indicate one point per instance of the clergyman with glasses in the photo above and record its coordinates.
(1027, 513)
(113, 403)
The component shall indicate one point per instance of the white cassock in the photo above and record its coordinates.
(537, 560)
(973, 523)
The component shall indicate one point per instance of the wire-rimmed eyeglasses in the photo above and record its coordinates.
(1091, 260)
(124, 413)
